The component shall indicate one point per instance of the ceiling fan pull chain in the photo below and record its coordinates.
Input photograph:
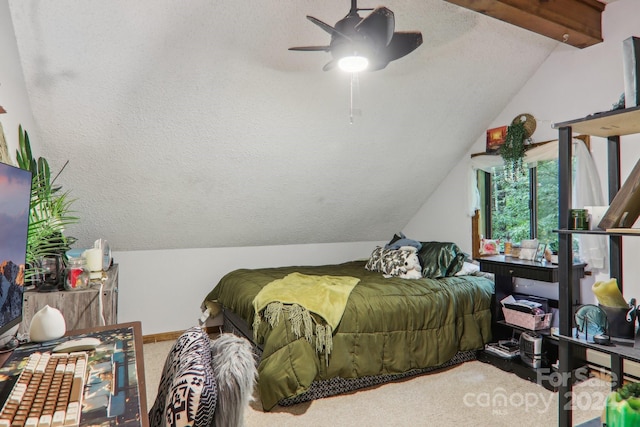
(353, 85)
(351, 98)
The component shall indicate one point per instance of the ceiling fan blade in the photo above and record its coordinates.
(378, 26)
(403, 43)
(330, 65)
(328, 28)
(312, 48)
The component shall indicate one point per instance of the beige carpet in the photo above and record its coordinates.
(471, 394)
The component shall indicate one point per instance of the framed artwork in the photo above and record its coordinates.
(495, 138)
(540, 252)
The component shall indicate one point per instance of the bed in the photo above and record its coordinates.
(390, 327)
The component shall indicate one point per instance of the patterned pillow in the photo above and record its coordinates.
(390, 262)
(187, 392)
(490, 247)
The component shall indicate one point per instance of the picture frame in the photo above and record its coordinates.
(540, 252)
(495, 138)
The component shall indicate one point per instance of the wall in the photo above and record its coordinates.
(165, 288)
(570, 84)
(13, 93)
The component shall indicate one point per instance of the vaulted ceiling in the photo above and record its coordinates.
(190, 124)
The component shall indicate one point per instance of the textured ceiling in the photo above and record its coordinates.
(190, 124)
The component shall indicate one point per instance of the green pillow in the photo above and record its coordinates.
(440, 259)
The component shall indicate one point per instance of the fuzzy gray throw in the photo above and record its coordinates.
(235, 371)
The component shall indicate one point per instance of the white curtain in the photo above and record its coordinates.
(587, 190)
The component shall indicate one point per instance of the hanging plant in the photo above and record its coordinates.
(513, 149)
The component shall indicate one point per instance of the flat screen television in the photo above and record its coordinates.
(15, 195)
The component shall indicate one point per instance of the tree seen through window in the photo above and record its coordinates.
(528, 207)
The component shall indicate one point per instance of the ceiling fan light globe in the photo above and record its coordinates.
(353, 64)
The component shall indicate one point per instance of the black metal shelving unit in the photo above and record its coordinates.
(611, 125)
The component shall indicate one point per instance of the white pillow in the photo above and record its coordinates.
(468, 268)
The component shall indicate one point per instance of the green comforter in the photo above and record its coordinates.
(389, 326)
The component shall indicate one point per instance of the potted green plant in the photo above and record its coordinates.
(50, 213)
(514, 147)
(623, 406)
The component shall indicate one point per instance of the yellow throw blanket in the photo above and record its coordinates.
(298, 295)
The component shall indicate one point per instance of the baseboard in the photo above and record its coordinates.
(213, 332)
(601, 359)
(600, 367)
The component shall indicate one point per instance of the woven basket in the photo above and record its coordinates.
(529, 123)
(532, 322)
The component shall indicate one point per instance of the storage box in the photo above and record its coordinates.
(622, 321)
(532, 322)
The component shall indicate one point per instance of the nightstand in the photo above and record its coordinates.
(505, 269)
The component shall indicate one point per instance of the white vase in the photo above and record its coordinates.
(47, 324)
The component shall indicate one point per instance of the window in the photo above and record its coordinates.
(528, 208)
(547, 203)
(524, 209)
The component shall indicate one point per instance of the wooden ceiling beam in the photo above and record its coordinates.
(575, 22)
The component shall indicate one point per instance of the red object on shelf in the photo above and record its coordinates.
(495, 138)
(73, 275)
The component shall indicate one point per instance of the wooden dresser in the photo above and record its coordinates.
(81, 309)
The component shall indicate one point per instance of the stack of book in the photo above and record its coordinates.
(507, 349)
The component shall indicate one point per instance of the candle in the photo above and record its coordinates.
(94, 262)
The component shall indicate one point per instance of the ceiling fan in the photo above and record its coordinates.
(369, 42)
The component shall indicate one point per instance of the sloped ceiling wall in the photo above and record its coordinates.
(190, 124)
